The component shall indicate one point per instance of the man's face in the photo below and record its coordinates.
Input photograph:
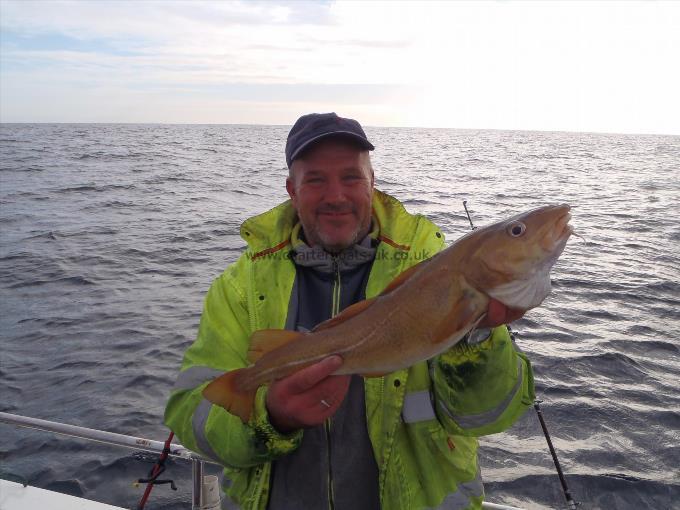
(331, 189)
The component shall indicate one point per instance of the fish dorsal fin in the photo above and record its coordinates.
(346, 314)
(266, 340)
(401, 279)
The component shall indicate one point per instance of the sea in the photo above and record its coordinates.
(112, 233)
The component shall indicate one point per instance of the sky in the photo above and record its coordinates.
(556, 66)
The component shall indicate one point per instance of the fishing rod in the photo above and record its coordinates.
(567, 494)
(565, 489)
(472, 226)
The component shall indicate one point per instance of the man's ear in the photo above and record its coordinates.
(290, 188)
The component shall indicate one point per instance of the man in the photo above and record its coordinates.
(403, 441)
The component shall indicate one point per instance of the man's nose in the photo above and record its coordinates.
(335, 191)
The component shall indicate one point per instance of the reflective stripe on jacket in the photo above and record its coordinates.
(422, 422)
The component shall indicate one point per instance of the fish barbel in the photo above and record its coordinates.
(422, 313)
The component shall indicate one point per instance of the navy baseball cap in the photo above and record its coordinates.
(311, 128)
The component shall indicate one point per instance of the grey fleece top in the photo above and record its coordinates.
(334, 468)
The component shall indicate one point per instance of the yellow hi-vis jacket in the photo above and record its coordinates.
(422, 421)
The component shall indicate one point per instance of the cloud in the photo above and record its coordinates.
(301, 41)
(503, 64)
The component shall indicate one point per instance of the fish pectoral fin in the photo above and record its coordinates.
(224, 392)
(400, 279)
(346, 314)
(374, 374)
(463, 315)
(266, 340)
(476, 323)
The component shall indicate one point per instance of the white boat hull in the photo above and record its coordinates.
(14, 496)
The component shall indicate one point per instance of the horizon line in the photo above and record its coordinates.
(364, 125)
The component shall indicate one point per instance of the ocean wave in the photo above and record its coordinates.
(605, 491)
(91, 187)
(68, 280)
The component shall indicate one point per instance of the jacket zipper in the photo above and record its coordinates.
(327, 424)
(331, 499)
(336, 288)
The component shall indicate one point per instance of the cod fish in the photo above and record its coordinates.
(422, 313)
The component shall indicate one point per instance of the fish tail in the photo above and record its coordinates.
(225, 392)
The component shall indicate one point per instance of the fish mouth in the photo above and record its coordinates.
(558, 235)
(563, 227)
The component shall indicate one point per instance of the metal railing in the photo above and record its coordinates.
(138, 443)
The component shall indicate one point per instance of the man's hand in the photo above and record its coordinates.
(306, 398)
(498, 314)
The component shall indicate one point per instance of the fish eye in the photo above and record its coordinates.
(516, 228)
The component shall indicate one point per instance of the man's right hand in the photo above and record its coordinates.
(308, 397)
